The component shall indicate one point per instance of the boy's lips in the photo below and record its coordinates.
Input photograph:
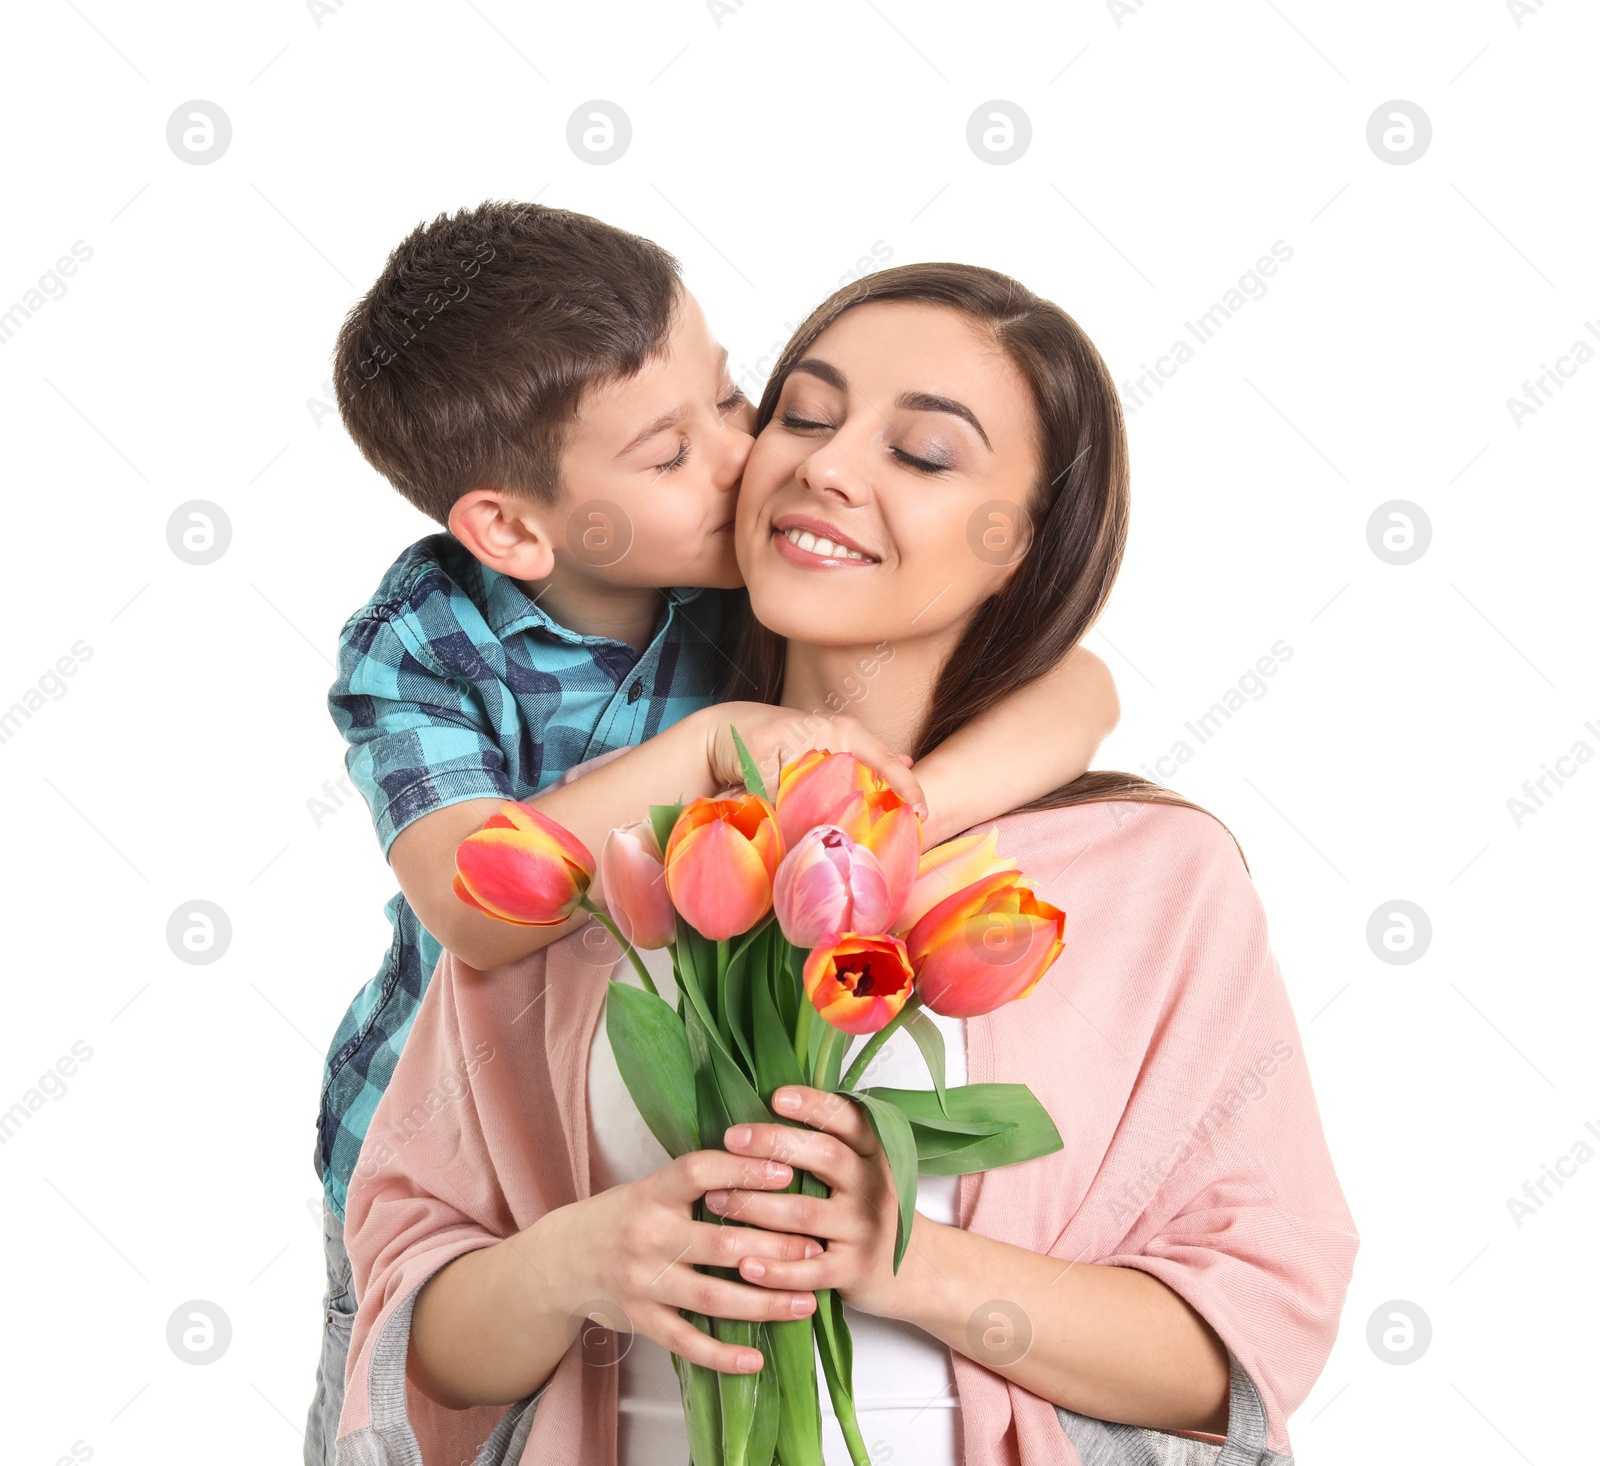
(724, 528)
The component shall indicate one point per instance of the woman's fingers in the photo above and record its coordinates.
(693, 1174)
(790, 1212)
(845, 735)
(714, 1245)
(683, 1287)
(673, 1331)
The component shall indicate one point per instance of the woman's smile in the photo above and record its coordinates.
(816, 544)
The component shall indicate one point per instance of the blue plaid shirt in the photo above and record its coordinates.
(454, 685)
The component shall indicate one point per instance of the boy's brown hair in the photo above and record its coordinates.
(463, 366)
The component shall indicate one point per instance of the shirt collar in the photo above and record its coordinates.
(511, 609)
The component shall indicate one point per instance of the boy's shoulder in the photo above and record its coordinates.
(438, 594)
(436, 565)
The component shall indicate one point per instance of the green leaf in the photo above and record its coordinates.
(709, 1109)
(691, 974)
(739, 1098)
(662, 818)
(1028, 1131)
(800, 1413)
(764, 1429)
(652, 1052)
(775, 1064)
(752, 775)
(931, 1041)
(701, 1405)
(737, 1393)
(834, 1348)
(893, 1130)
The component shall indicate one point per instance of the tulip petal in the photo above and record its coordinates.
(529, 887)
(718, 880)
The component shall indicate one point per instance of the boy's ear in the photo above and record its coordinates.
(506, 532)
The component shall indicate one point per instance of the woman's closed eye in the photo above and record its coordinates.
(936, 460)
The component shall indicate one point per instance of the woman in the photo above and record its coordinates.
(1178, 1266)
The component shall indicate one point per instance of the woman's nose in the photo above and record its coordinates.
(829, 470)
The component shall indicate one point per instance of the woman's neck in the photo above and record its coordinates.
(886, 687)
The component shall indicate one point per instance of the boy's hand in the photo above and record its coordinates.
(777, 736)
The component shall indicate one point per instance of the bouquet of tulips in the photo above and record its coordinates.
(796, 924)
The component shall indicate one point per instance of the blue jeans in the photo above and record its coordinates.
(338, 1313)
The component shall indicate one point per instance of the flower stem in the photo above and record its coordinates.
(819, 1070)
(802, 1030)
(870, 1049)
(626, 945)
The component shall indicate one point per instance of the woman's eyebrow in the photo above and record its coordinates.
(932, 402)
(913, 401)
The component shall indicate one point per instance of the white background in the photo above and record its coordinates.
(770, 152)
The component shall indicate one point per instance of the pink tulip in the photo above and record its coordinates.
(635, 884)
(823, 788)
(828, 884)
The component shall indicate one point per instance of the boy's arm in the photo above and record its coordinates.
(1035, 740)
(692, 759)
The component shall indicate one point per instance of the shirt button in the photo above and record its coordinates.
(634, 691)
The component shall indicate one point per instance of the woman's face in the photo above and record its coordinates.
(907, 440)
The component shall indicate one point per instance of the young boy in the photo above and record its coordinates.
(542, 385)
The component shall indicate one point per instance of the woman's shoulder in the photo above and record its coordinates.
(1130, 835)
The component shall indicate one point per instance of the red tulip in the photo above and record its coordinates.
(721, 858)
(634, 878)
(858, 983)
(822, 788)
(984, 946)
(827, 883)
(522, 867)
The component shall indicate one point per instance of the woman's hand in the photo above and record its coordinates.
(856, 1223)
(635, 1246)
(776, 736)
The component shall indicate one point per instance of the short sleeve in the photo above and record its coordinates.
(419, 737)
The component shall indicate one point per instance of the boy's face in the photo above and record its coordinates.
(650, 476)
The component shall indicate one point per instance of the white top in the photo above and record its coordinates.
(905, 1390)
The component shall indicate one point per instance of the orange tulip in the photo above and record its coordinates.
(949, 868)
(721, 857)
(822, 788)
(858, 983)
(984, 946)
(522, 867)
(635, 886)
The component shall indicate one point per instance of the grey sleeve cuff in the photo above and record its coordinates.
(389, 1439)
(1105, 1443)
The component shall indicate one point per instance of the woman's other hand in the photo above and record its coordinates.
(635, 1246)
(777, 736)
(857, 1223)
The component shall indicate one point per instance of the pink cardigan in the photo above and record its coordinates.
(1161, 1042)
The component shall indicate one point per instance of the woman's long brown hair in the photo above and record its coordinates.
(1079, 513)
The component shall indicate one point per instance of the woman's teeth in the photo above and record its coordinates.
(808, 541)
